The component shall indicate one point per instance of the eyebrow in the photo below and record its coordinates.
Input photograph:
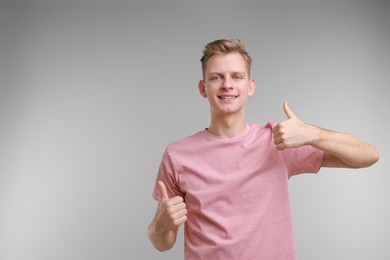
(231, 72)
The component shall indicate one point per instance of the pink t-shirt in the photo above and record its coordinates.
(236, 193)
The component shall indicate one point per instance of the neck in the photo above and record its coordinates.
(227, 126)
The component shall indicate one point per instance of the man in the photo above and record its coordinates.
(228, 183)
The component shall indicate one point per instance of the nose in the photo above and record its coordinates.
(227, 84)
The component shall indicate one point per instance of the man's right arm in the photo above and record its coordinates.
(170, 214)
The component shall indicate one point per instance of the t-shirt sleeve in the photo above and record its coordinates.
(166, 173)
(305, 159)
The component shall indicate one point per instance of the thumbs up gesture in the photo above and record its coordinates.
(171, 212)
(292, 132)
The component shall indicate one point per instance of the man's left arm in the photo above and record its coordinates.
(341, 149)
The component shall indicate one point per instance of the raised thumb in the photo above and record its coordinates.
(287, 110)
(163, 190)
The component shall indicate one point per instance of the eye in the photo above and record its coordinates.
(238, 77)
(215, 77)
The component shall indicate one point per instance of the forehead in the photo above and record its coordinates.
(226, 63)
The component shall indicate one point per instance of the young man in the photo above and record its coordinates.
(228, 183)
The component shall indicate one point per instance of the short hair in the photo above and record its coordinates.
(224, 46)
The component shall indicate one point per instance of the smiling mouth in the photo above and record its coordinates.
(227, 97)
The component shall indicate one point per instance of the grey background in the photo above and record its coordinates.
(92, 91)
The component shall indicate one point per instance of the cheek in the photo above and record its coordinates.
(210, 91)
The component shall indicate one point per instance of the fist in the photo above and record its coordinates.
(292, 132)
(171, 212)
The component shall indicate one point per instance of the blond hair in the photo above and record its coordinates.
(224, 46)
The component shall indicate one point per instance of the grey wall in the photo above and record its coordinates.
(92, 91)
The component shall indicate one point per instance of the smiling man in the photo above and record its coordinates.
(227, 86)
(228, 184)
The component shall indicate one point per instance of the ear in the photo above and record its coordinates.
(201, 88)
(252, 87)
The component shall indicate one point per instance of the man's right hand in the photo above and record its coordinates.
(171, 212)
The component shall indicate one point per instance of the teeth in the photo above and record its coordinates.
(227, 97)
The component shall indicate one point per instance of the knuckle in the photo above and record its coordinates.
(170, 210)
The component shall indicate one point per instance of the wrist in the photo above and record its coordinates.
(317, 136)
